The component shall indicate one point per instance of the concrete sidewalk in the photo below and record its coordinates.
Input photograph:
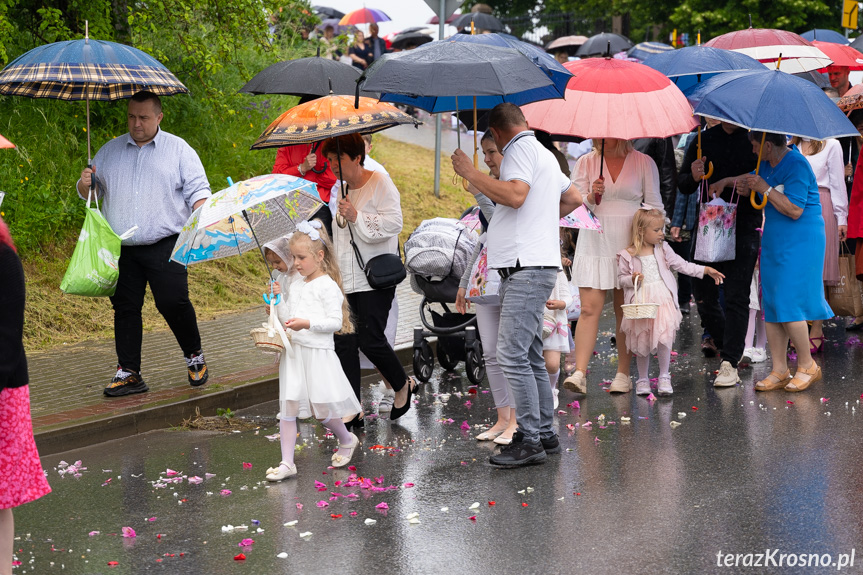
(70, 411)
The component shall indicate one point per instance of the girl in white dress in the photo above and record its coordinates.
(555, 322)
(649, 260)
(311, 380)
(629, 179)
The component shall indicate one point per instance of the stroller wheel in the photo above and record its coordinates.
(475, 365)
(423, 361)
(445, 357)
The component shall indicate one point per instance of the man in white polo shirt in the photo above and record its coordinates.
(524, 247)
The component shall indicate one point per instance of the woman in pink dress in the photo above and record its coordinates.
(21, 477)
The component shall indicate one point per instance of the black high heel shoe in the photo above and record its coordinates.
(358, 422)
(397, 412)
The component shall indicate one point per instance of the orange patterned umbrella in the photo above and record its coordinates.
(329, 117)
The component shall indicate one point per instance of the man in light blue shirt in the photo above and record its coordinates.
(153, 180)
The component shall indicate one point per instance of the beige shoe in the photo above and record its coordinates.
(577, 382)
(621, 383)
(727, 376)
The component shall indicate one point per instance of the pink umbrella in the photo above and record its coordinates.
(583, 219)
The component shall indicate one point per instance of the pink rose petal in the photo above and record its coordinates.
(128, 532)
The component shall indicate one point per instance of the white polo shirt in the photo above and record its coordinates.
(529, 234)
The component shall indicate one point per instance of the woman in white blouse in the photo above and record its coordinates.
(825, 157)
(373, 210)
(629, 179)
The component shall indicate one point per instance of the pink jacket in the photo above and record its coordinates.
(667, 260)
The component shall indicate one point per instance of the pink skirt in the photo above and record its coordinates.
(643, 336)
(21, 477)
(831, 232)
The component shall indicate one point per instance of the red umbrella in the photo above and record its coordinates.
(768, 45)
(435, 20)
(844, 56)
(610, 98)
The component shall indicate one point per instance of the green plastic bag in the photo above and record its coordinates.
(93, 270)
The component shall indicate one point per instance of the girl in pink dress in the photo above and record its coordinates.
(21, 477)
(650, 260)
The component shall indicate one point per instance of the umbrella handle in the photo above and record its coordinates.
(752, 200)
(709, 171)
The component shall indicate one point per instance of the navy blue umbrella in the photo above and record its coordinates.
(688, 66)
(771, 101)
(445, 76)
(644, 50)
(824, 35)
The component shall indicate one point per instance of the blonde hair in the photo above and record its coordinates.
(330, 267)
(640, 221)
(817, 145)
(621, 148)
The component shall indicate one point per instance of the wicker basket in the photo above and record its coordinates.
(639, 310)
(262, 335)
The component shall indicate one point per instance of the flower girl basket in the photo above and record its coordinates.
(638, 310)
(271, 337)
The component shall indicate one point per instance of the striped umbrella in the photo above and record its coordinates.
(87, 70)
(364, 16)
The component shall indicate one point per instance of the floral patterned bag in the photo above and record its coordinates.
(484, 283)
(716, 234)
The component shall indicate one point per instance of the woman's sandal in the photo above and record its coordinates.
(797, 384)
(397, 412)
(774, 381)
(816, 348)
(342, 460)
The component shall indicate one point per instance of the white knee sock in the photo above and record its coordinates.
(337, 426)
(288, 438)
(663, 354)
(552, 379)
(643, 362)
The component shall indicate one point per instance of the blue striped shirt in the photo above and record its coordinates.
(153, 187)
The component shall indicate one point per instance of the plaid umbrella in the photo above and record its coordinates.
(86, 70)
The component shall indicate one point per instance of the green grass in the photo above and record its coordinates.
(223, 286)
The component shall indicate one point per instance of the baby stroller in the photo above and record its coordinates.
(436, 255)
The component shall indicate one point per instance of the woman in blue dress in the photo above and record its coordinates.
(792, 258)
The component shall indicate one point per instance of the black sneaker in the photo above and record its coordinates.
(198, 373)
(125, 383)
(708, 347)
(519, 453)
(551, 445)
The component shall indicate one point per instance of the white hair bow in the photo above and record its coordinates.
(310, 229)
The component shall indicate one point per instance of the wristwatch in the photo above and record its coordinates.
(300, 169)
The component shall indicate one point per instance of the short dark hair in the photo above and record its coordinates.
(506, 115)
(146, 95)
(350, 144)
(487, 136)
(778, 140)
(856, 117)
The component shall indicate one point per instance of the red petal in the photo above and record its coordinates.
(336, 516)
(491, 502)
(524, 504)
(112, 563)
(240, 557)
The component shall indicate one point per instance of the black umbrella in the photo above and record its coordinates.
(858, 43)
(601, 43)
(307, 78)
(480, 20)
(410, 40)
(466, 118)
(327, 12)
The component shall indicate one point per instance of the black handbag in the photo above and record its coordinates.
(383, 271)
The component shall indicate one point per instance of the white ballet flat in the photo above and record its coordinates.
(342, 460)
(283, 471)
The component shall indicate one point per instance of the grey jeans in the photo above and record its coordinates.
(519, 349)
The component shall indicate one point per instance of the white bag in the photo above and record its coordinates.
(716, 235)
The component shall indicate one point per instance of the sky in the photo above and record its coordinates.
(404, 13)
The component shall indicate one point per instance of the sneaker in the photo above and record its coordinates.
(555, 393)
(642, 387)
(576, 382)
(708, 347)
(198, 374)
(385, 405)
(125, 383)
(759, 355)
(551, 445)
(727, 376)
(747, 355)
(664, 389)
(519, 453)
(621, 383)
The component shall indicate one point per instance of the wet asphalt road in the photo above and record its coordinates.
(742, 474)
